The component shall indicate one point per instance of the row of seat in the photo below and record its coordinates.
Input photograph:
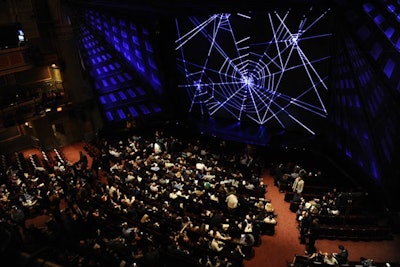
(3, 164)
(304, 261)
(354, 225)
(134, 110)
(356, 233)
(351, 219)
(21, 162)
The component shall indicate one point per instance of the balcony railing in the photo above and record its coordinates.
(14, 60)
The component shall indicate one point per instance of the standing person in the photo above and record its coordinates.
(95, 166)
(304, 225)
(312, 234)
(298, 185)
(83, 160)
(18, 216)
(130, 123)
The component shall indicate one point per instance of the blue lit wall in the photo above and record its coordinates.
(354, 135)
(130, 41)
(365, 96)
(125, 79)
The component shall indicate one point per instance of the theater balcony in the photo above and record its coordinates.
(14, 60)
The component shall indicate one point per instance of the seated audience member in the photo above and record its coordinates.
(247, 240)
(366, 262)
(316, 257)
(205, 261)
(219, 236)
(232, 201)
(127, 230)
(259, 205)
(247, 225)
(329, 259)
(217, 245)
(270, 219)
(342, 256)
(269, 208)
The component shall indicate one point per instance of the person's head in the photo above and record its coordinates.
(341, 247)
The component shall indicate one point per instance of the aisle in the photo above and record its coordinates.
(277, 250)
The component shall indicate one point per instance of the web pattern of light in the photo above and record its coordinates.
(234, 73)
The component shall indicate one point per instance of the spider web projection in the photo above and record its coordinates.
(269, 68)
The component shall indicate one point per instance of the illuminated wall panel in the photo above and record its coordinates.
(118, 92)
(351, 122)
(368, 52)
(382, 16)
(389, 68)
(376, 51)
(132, 42)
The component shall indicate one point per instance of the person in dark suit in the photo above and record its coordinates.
(130, 123)
(312, 234)
(304, 224)
(83, 160)
(342, 256)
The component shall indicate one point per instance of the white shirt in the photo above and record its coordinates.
(298, 185)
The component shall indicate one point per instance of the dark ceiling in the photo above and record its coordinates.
(180, 7)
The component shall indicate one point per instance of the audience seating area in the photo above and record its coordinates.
(152, 199)
(145, 199)
(344, 214)
(303, 261)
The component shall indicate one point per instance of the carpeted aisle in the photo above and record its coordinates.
(277, 250)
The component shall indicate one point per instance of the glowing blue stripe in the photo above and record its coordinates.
(121, 114)
(133, 112)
